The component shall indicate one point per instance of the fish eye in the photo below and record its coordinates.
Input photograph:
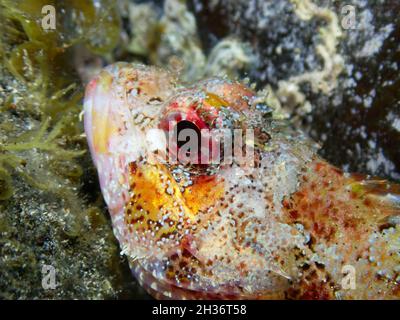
(189, 128)
(188, 143)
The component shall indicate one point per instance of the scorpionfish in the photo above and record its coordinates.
(285, 225)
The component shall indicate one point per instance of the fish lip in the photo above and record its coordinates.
(87, 114)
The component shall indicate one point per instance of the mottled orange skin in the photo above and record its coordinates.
(344, 211)
(281, 227)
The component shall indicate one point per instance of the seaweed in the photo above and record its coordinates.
(42, 82)
(38, 141)
(47, 216)
(6, 188)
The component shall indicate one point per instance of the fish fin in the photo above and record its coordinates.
(381, 193)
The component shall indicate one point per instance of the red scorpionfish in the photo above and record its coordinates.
(285, 225)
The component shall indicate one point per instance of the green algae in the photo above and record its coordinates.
(41, 59)
(6, 188)
(41, 82)
(51, 209)
(44, 144)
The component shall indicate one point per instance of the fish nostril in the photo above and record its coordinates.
(155, 100)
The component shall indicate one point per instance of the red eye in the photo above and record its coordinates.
(189, 139)
(186, 141)
(175, 114)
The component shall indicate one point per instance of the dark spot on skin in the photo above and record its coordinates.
(385, 226)
(132, 168)
(320, 266)
(315, 291)
(134, 221)
(158, 99)
(367, 202)
(186, 253)
(294, 214)
(379, 277)
(305, 266)
(174, 257)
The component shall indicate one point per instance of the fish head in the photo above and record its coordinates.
(194, 179)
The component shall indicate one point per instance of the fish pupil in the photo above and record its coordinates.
(194, 130)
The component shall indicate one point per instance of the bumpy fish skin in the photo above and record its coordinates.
(282, 227)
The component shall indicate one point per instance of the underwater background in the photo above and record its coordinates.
(334, 75)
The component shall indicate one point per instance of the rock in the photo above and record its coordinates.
(353, 109)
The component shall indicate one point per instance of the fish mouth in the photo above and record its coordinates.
(112, 97)
(161, 289)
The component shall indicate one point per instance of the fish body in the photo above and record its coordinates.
(282, 224)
